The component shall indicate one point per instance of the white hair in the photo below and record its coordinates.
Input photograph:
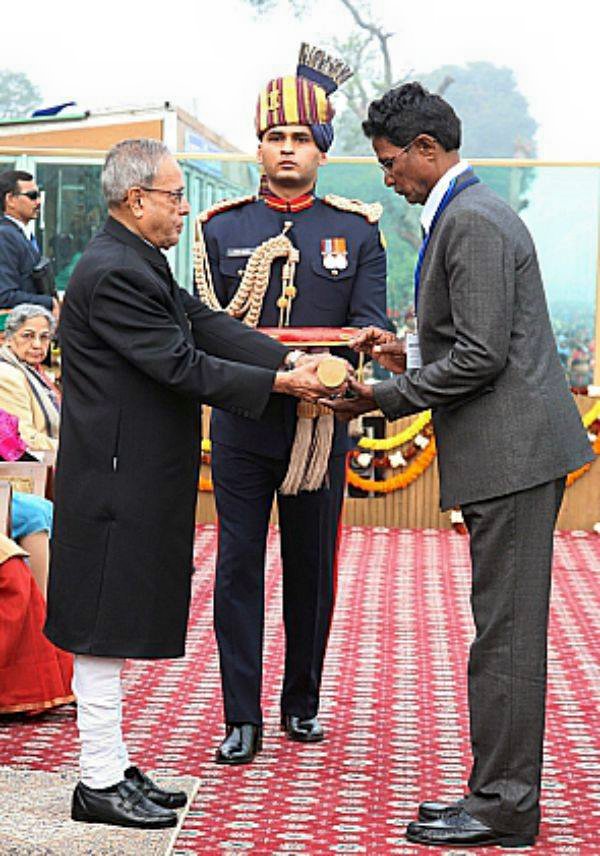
(131, 163)
(22, 313)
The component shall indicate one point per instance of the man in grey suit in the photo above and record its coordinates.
(485, 361)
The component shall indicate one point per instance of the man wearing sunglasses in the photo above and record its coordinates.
(19, 253)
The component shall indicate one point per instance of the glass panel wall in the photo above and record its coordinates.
(72, 213)
(562, 213)
(208, 182)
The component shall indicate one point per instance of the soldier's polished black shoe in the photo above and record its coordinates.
(463, 830)
(302, 730)
(167, 799)
(435, 810)
(241, 745)
(122, 805)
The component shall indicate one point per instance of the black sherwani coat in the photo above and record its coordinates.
(139, 354)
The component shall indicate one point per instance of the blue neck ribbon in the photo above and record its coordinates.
(447, 198)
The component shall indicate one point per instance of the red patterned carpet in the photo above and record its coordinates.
(393, 706)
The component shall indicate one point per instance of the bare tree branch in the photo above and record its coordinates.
(448, 79)
(377, 33)
(355, 92)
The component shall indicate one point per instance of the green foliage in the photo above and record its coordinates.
(18, 95)
(399, 224)
(495, 120)
(496, 123)
(349, 137)
(494, 114)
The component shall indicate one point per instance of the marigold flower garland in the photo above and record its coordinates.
(409, 433)
(592, 415)
(400, 481)
(420, 463)
(591, 422)
(576, 474)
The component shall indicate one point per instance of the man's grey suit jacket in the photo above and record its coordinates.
(504, 417)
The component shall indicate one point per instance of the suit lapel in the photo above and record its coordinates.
(8, 223)
(159, 265)
(464, 180)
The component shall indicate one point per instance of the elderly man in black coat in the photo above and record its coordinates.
(139, 354)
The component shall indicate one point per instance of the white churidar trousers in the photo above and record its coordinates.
(97, 686)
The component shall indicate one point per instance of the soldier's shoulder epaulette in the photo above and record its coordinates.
(224, 205)
(371, 211)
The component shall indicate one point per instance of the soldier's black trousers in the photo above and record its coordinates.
(245, 484)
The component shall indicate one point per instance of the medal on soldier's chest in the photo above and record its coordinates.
(334, 254)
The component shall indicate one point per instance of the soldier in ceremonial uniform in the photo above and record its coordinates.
(284, 258)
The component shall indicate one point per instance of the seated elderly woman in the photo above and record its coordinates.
(25, 389)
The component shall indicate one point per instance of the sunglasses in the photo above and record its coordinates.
(30, 194)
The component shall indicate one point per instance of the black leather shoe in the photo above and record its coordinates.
(240, 746)
(167, 799)
(302, 730)
(434, 810)
(463, 830)
(123, 805)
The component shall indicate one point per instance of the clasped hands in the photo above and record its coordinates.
(351, 398)
(304, 381)
(384, 347)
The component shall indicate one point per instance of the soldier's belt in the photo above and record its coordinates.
(307, 468)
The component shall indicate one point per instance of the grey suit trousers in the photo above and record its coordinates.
(511, 552)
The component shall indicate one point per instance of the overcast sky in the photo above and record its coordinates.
(215, 54)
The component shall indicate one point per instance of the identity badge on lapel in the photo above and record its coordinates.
(335, 255)
(413, 351)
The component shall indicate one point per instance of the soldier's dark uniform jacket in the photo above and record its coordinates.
(354, 295)
(335, 276)
(346, 287)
